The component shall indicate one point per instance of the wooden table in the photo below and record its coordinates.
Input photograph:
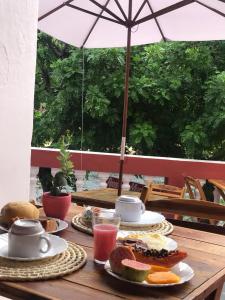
(206, 255)
(104, 197)
(220, 185)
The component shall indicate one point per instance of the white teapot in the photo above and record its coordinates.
(129, 208)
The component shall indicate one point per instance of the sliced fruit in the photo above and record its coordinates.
(134, 271)
(158, 269)
(167, 259)
(116, 257)
(162, 278)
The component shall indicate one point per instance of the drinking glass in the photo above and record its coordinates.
(105, 227)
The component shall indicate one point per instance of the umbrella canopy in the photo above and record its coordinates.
(123, 23)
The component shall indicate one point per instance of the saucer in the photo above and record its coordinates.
(59, 245)
(148, 218)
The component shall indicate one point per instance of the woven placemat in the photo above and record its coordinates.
(60, 265)
(163, 228)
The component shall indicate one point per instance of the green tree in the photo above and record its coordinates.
(176, 98)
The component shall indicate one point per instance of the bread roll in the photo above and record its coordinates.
(20, 210)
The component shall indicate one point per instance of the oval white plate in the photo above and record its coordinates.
(183, 270)
(170, 243)
(61, 225)
(147, 218)
(59, 245)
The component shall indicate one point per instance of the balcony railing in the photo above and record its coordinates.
(172, 169)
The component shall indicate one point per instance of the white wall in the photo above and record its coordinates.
(18, 35)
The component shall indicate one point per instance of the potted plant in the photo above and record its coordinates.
(56, 202)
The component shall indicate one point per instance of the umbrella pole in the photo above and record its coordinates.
(125, 108)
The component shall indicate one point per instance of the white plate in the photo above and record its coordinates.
(170, 243)
(61, 225)
(59, 245)
(147, 218)
(183, 270)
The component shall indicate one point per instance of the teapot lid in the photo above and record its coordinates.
(128, 199)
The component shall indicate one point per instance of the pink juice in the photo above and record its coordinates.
(104, 240)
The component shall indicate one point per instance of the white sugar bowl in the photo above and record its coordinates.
(129, 208)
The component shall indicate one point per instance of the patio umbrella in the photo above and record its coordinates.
(123, 23)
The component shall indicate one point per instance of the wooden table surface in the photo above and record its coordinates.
(206, 255)
(104, 197)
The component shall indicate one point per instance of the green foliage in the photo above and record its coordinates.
(176, 98)
(65, 178)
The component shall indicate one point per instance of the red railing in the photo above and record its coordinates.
(173, 169)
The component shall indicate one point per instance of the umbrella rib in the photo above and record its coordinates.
(94, 24)
(121, 9)
(94, 14)
(164, 11)
(157, 22)
(54, 10)
(139, 11)
(211, 8)
(108, 11)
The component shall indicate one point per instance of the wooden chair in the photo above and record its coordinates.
(199, 209)
(164, 190)
(194, 188)
(196, 192)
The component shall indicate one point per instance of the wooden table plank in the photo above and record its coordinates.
(105, 197)
(53, 289)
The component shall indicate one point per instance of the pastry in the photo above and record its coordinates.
(49, 224)
(18, 210)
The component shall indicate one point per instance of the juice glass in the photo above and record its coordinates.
(105, 227)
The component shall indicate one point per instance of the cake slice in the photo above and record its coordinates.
(49, 224)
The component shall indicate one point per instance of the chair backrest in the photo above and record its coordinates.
(112, 182)
(163, 190)
(136, 187)
(194, 188)
(188, 207)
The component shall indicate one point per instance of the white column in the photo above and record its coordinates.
(18, 36)
(33, 183)
(80, 175)
(126, 179)
(102, 179)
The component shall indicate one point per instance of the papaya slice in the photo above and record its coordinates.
(168, 261)
(116, 257)
(158, 269)
(162, 278)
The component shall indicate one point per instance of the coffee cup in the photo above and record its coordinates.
(129, 208)
(27, 239)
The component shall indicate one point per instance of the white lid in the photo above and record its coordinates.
(128, 199)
